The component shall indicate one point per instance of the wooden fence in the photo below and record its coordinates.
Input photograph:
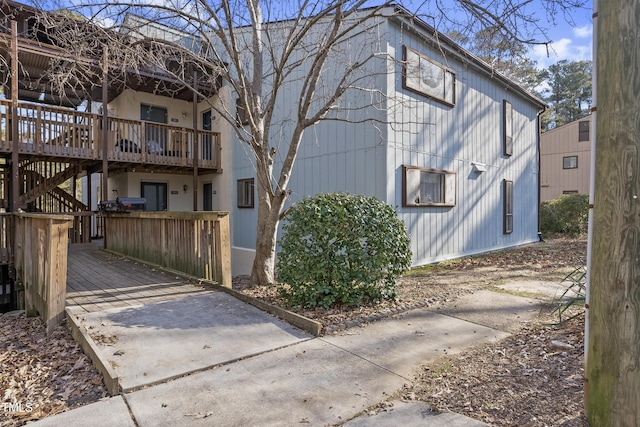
(195, 243)
(40, 259)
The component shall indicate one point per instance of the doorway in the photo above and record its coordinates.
(155, 194)
(207, 197)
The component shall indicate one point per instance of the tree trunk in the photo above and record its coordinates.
(613, 353)
(269, 209)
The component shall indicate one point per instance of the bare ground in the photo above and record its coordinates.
(532, 378)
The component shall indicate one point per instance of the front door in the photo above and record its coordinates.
(207, 197)
(155, 194)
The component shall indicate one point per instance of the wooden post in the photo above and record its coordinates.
(89, 197)
(15, 155)
(105, 124)
(195, 141)
(613, 353)
(223, 251)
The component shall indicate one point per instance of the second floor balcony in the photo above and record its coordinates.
(60, 133)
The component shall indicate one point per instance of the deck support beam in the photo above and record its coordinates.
(105, 125)
(196, 141)
(15, 157)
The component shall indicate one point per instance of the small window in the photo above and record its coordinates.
(241, 113)
(570, 192)
(570, 162)
(428, 187)
(583, 130)
(507, 132)
(245, 193)
(507, 190)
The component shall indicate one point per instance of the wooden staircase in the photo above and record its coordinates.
(40, 187)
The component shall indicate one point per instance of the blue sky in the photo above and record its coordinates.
(571, 33)
(570, 42)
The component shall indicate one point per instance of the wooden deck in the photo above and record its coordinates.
(98, 280)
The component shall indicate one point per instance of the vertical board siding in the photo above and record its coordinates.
(196, 243)
(434, 135)
(363, 158)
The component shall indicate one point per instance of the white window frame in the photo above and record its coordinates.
(416, 187)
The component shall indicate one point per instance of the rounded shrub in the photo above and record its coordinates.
(340, 248)
(568, 214)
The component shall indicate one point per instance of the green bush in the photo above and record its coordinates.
(341, 249)
(569, 214)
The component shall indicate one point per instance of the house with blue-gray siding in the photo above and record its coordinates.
(449, 142)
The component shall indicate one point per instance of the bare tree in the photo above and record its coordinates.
(260, 49)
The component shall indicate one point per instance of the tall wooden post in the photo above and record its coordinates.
(613, 352)
(105, 124)
(196, 141)
(15, 155)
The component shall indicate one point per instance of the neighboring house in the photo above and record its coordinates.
(565, 160)
(455, 147)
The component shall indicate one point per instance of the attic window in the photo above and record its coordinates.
(427, 77)
(428, 187)
(241, 113)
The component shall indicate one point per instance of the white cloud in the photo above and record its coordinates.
(564, 48)
(583, 32)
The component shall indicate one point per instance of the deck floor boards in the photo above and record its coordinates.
(98, 280)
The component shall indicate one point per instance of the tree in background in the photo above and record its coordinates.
(567, 91)
(506, 55)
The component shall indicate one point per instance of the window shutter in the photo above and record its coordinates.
(450, 189)
(507, 143)
(508, 206)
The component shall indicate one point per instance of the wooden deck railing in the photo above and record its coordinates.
(196, 243)
(40, 259)
(61, 132)
(80, 226)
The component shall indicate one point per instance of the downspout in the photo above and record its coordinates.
(592, 187)
(539, 169)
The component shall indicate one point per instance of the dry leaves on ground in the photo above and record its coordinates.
(532, 378)
(42, 375)
(439, 284)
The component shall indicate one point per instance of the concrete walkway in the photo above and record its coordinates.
(179, 353)
(212, 360)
